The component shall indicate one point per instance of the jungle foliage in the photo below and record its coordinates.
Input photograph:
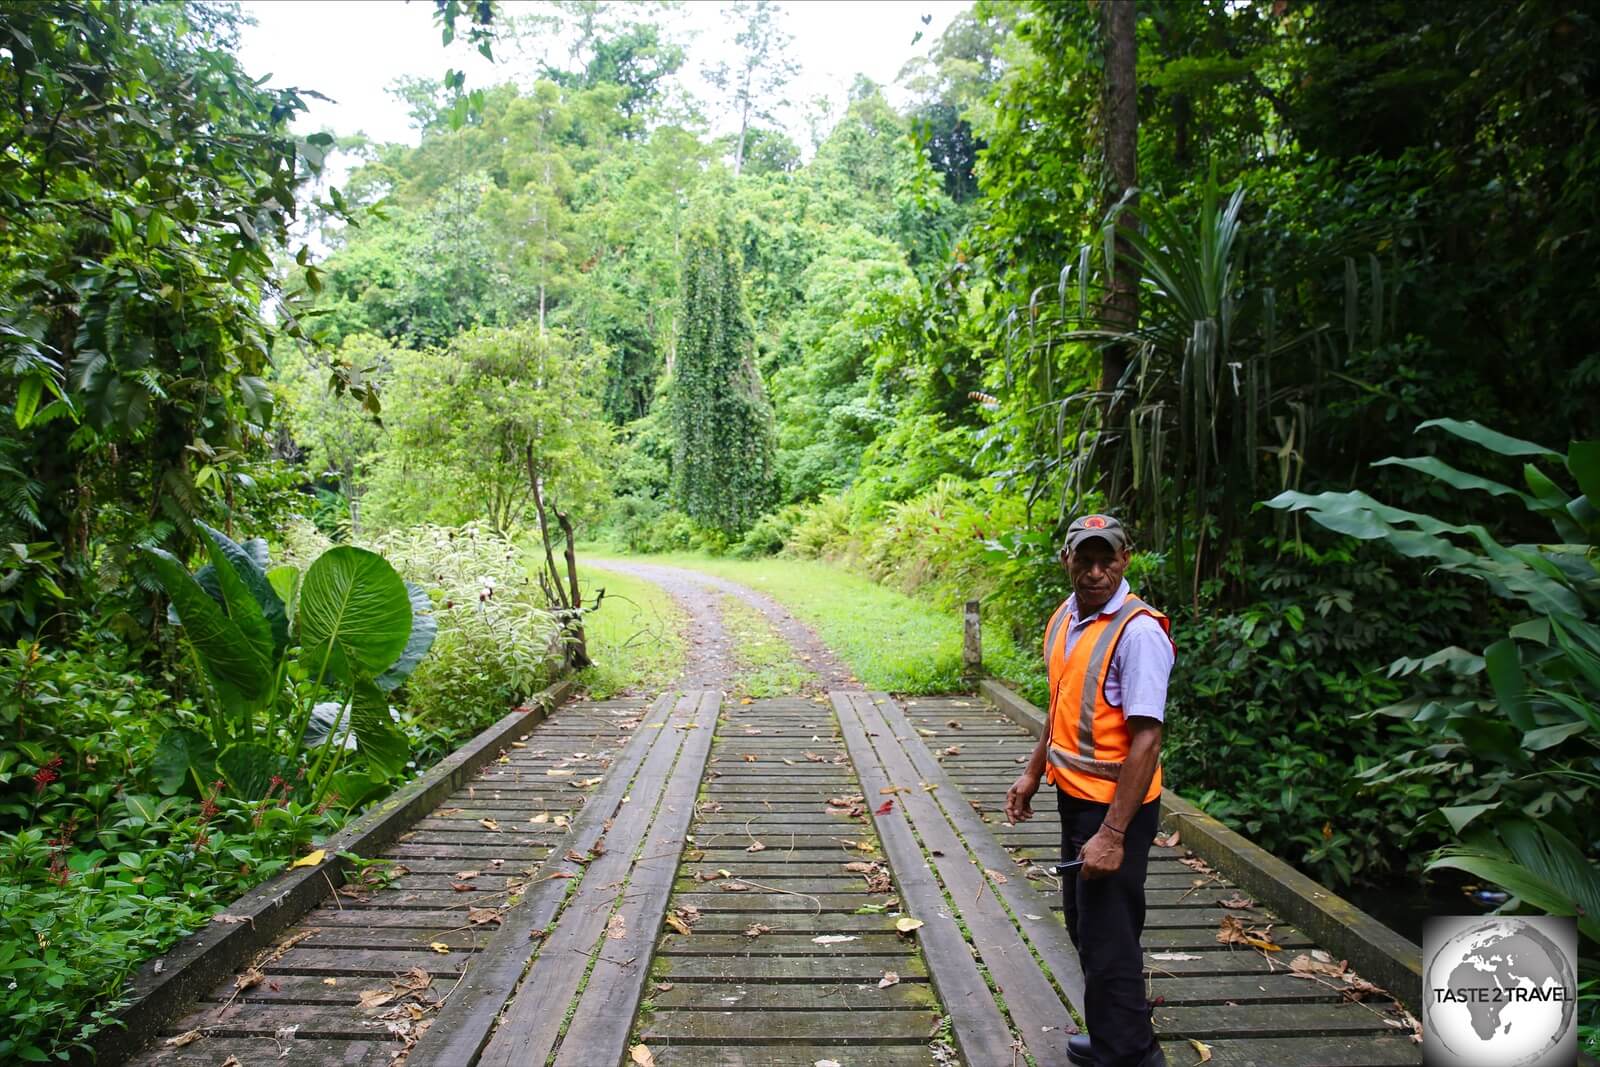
(914, 345)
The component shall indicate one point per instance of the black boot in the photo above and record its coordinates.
(1078, 1051)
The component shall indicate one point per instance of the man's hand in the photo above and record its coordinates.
(1017, 797)
(1102, 855)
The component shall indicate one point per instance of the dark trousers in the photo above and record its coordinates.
(1105, 917)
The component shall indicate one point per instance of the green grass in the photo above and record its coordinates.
(636, 639)
(767, 664)
(888, 640)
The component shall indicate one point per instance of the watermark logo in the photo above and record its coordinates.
(1499, 991)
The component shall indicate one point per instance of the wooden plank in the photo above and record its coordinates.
(1047, 936)
(1041, 1019)
(1325, 1051)
(834, 996)
(1269, 1020)
(799, 1027)
(209, 1051)
(600, 1026)
(464, 1023)
(980, 1029)
(774, 969)
(528, 1029)
(757, 1054)
(701, 944)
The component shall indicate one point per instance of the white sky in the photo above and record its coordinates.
(353, 50)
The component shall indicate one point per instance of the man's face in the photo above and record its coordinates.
(1096, 570)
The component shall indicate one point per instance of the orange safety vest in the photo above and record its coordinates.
(1089, 738)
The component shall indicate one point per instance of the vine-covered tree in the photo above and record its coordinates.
(723, 436)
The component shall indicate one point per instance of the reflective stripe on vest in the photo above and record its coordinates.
(1073, 764)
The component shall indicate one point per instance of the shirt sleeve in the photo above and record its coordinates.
(1144, 663)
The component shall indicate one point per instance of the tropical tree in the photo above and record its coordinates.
(723, 471)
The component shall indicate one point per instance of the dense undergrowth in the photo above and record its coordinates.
(104, 863)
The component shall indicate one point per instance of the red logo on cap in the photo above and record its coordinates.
(1094, 522)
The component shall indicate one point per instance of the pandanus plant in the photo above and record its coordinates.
(270, 644)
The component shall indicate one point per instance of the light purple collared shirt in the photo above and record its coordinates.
(1137, 680)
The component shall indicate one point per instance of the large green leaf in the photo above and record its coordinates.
(1537, 864)
(378, 738)
(238, 602)
(1458, 479)
(247, 768)
(1494, 441)
(230, 660)
(1583, 460)
(176, 754)
(1504, 667)
(354, 615)
(424, 627)
(245, 563)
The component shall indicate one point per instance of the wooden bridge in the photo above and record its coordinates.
(693, 880)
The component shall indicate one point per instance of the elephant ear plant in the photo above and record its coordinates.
(271, 644)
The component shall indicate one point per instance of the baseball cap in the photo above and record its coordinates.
(1105, 527)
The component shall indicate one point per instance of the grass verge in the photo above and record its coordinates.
(890, 641)
(767, 664)
(636, 639)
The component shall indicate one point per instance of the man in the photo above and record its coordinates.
(1109, 657)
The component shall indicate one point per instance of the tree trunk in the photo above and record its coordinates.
(1120, 121)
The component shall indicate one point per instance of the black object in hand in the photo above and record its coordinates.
(1068, 867)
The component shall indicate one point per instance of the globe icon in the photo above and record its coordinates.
(1499, 993)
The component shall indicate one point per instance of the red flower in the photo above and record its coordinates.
(50, 772)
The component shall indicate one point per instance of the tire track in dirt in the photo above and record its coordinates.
(710, 663)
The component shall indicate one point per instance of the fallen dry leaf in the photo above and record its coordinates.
(756, 846)
(489, 824)
(376, 998)
(885, 808)
(575, 856)
(542, 817)
(1172, 957)
(755, 930)
(927, 733)
(482, 916)
(1237, 901)
(834, 939)
(440, 947)
(999, 879)
(310, 859)
(662, 987)
(889, 978)
(188, 1037)
(617, 927)
(953, 750)
(330, 981)
(231, 1061)
(558, 774)
(464, 875)
(708, 876)
(678, 924)
(860, 866)
(954, 724)
(1232, 931)
(906, 924)
(640, 1054)
(751, 757)
(1201, 1049)
(229, 920)
(250, 977)
(735, 887)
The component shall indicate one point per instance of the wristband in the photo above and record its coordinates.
(1113, 829)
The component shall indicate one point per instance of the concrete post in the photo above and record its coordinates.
(972, 642)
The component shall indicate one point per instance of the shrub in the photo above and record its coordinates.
(769, 534)
(1262, 711)
(822, 529)
(96, 871)
(497, 640)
